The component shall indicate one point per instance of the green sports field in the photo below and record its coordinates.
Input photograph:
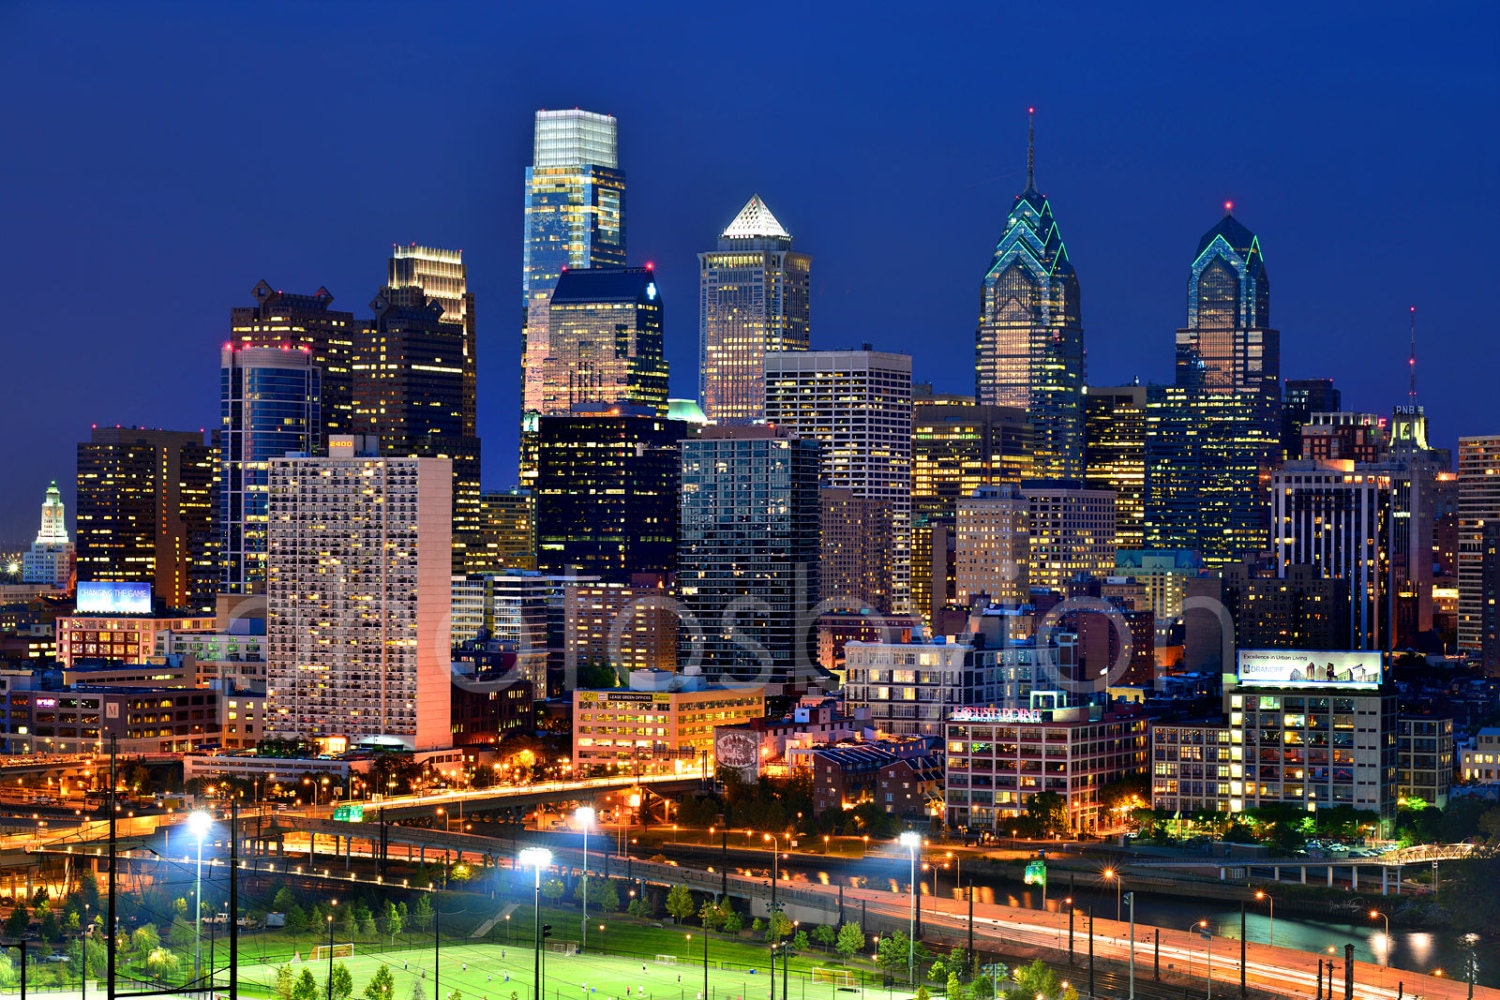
(487, 971)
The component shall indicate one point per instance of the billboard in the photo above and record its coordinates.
(739, 750)
(114, 598)
(1309, 668)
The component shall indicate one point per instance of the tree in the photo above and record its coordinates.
(553, 889)
(161, 962)
(955, 987)
(417, 993)
(923, 993)
(1048, 811)
(825, 935)
(285, 983)
(680, 902)
(296, 919)
(283, 901)
(382, 985)
(939, 971)
(421, 915)
(306, 987)
(342, 982)
(18, 921)
(800, 942)
(892, 952)
(778, 925)
(851, 940)
(734, 922)
(393, 922)
(604, 895)
(597, 674)
(145, 940)
(758, 925)
(1037, 980)
(711, 915)
(47, 923)
(180, 934)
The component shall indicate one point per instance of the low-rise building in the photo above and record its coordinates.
(847, 773)
(127, 637)
(88, 719)
(912, 787)
(662, 724)
(1424, 759)
(999, 759)
(1480, 764)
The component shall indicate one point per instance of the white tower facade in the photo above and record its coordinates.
(50, 559)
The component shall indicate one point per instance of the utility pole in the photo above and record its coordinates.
(109, 918)
(1091, 953)
(1130, 898)
(1242, 949)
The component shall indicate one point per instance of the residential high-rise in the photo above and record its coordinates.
(747, 553)
(1301, 399)
(1488, 558)
(606, 492)
(146, 513)
(1478, 506)
(270, 405)
(411, 384)
(855, 565)
(1214, 436)
(358, 594)
(1072, 530)
(993, 546)
(858, 406)
(1115, 450)
(605, 334)
(755, 296)
(1029, 347)
(575, 218)
(49, 561)
(284, 318)
(1337, 517)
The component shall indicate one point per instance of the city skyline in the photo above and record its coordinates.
(1399, 141)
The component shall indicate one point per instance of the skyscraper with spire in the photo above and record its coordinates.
(1029, 347)
(754, 296)
(575, 218)
(1213, 437)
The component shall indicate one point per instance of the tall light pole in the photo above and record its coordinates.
(911, 840)
(1132, 946)
(330, 951)
(199, 823)
(1114, 876)
(1271, 935)
(770, 838)
(585, 817)
(1208, 940)
(1388, 942)
(537, 858)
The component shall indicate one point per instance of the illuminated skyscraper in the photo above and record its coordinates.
(1115, 432)
(857, 405)
(1029, 346)
(1478, 507)
(443, 277)
(1215, 435)
(410, 384)
(605, 328)
(146, 513)
(1303, 398)
(50, 559)
(284, 318)
(754, 297)
(270, 405)
(994, 545)
(575, 218)
(957, 447)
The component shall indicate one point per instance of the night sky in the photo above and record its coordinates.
(159, 160)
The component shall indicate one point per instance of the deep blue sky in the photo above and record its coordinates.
(161, 159)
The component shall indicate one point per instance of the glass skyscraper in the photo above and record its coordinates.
(1214, 436)
(575, 218)
(1029, 347)
(754, 297)
(605, 328)
(270, 405)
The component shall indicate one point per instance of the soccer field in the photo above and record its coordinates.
(487, 971)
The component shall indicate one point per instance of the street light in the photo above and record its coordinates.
(585, 817)
(1387, 919)
(199, 823)
(1262, 894)
(911, 840)
(1208, 943)
(538, 858)
(330, 950)
(1114, 876)
(770, 838)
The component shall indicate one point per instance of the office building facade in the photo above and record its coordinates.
(358, 596)
(1115, 455)
(285, 319)
(992, 546)
(1478, 506)
(146, 512)
(1029, 346)
(270, 405)
(606, 492)
(1072, 531)
(747, 552)
(605, 341)
(858, 406)
(754, 296)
